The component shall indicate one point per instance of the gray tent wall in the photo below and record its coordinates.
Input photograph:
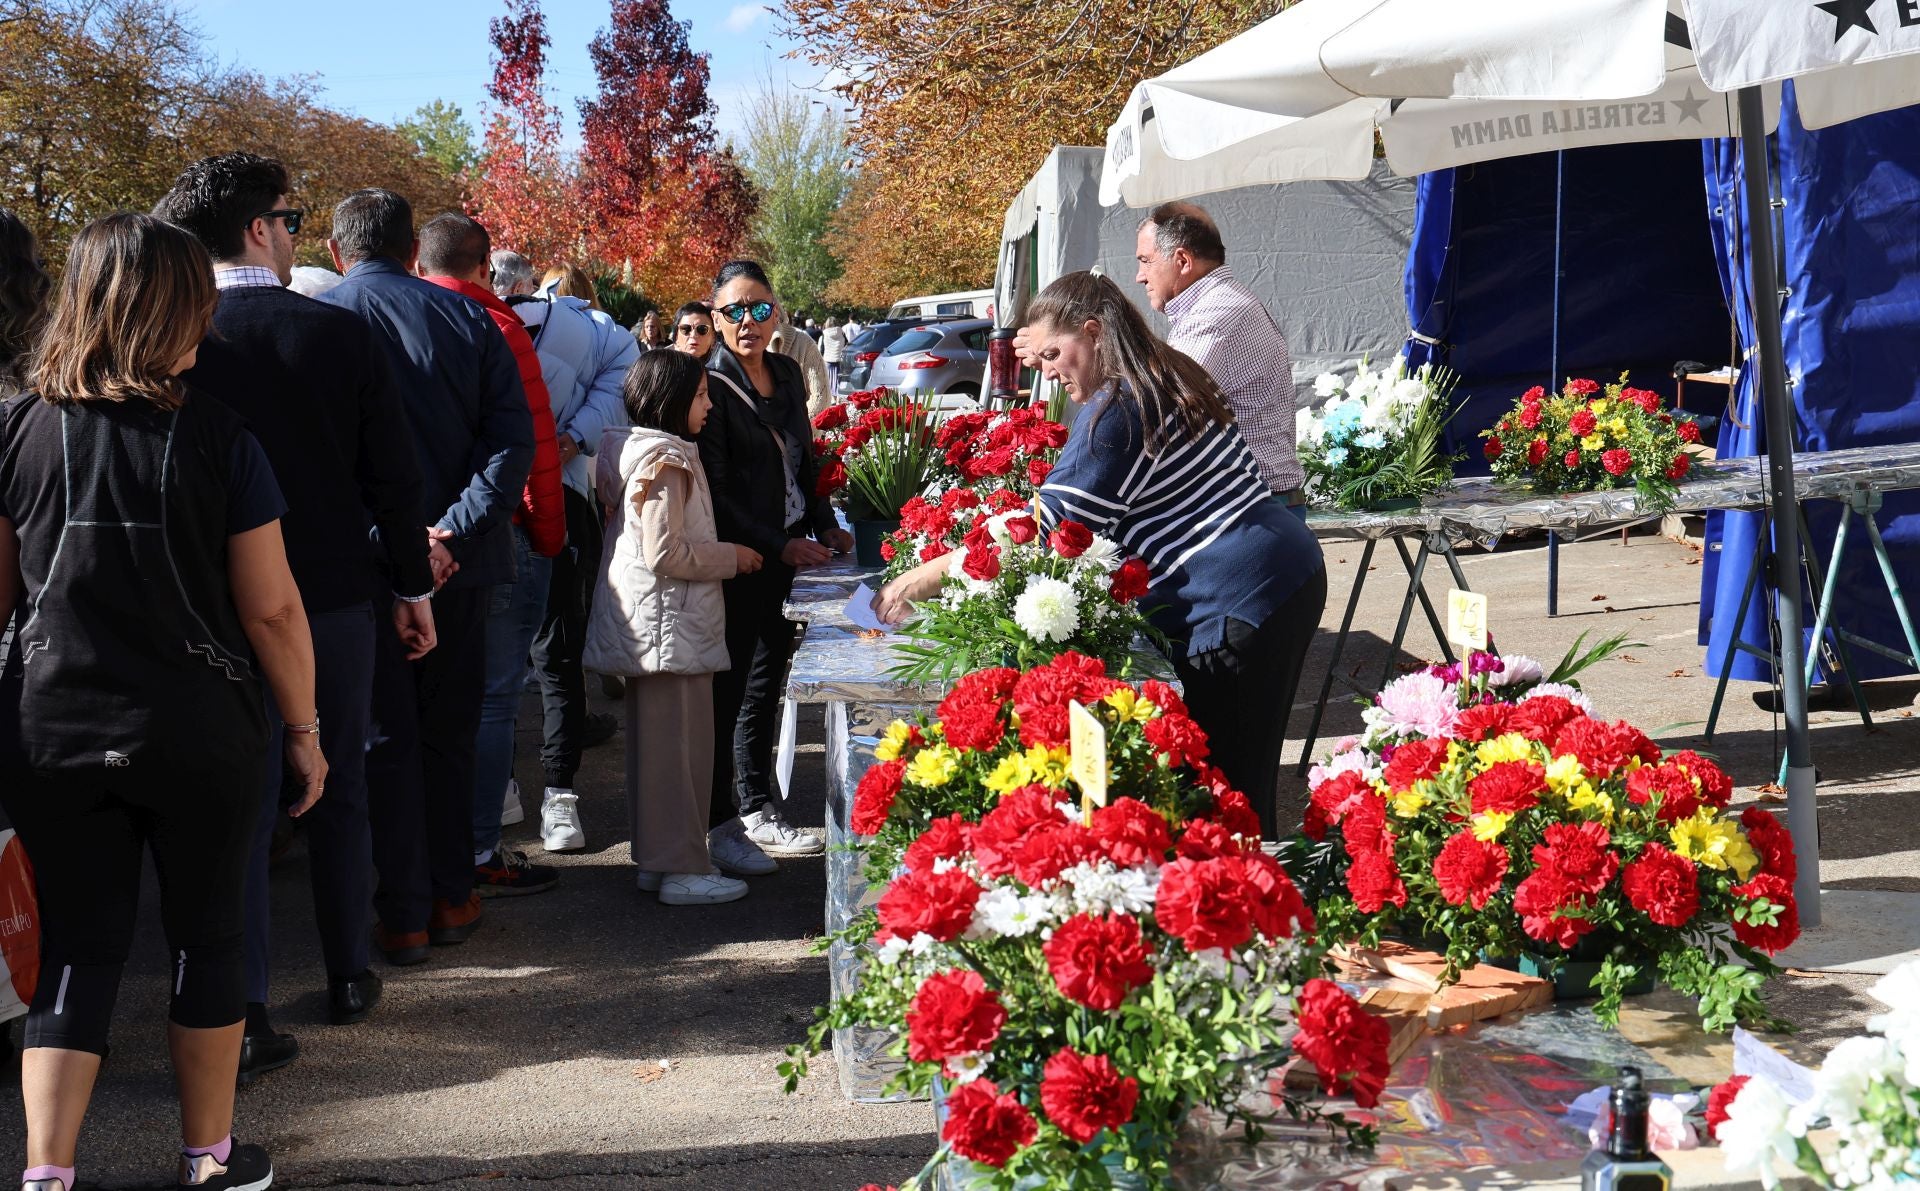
(1326, 257)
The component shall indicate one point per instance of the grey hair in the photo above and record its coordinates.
(511, 272)
(1188, 226)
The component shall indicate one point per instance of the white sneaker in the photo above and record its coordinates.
(560, 822)
(773, 834)
(647, 880)
(511, 811)
(700, 889)
(733, 852)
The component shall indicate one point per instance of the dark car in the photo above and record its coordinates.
(857, 363)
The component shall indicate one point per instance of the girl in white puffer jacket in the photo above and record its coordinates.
(659, 619)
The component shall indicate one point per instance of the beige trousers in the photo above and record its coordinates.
(670, 770)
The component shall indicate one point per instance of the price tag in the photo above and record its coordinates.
(1467, 619)
(1087, 750)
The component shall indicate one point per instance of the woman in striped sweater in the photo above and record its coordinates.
(1156, 464)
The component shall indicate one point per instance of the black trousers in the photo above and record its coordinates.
(420, 761)
(746, 698)
(562, 639)
(339, 837)
(1241, 692)
(84, 836)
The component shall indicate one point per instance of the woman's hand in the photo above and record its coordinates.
(804, 552)
(305, 758)
(894, 602)
(746, 560)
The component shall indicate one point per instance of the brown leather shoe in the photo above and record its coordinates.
(452, 924)
(403, 947)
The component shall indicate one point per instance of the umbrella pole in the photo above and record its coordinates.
(1783, 514)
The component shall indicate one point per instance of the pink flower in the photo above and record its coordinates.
(1420, 704)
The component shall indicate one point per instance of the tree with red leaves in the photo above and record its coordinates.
(668, 207)
(523, 188)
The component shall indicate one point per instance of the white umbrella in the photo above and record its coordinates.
(1447, 82)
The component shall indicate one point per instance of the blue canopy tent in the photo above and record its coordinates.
(1850, 240)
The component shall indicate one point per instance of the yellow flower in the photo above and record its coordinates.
(1128, 705)
(1490, 825)
(1599, 407)
(1511, 747)
(1618, 426)
(1564, 773)
(1408, 803)
(894, 742)
(1011, 774)
(933, 767)
(1048, 766)
(1593, 442)
(1716, 843)
(1584, 797)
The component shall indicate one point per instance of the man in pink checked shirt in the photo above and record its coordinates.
(1223, 326)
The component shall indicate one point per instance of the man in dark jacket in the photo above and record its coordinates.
(316, 391)
(466, 414)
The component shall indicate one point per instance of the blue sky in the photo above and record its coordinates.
(405, 53)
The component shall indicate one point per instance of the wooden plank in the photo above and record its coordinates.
(1485, 991)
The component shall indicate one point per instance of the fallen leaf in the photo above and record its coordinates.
(1771, 792)
(1627, 657)
(1693, 562)
(1596, 599)
(1608, 608)
(650, 1073)
(1678, 674)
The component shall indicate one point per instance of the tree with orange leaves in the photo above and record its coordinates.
(522, 188)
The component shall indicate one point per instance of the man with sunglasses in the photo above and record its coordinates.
(693, 331)
(314, 387)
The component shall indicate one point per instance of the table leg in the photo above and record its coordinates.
(1553, 573)
(1426, 602)
(1824, 581)
(1414, 590)
(1733, 638)
(1893, 589)
(1333, 663)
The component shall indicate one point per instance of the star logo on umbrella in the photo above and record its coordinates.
(1848, 14)
(1689, 107)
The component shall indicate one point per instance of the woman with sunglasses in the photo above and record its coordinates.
(693, 331)
(757, 448)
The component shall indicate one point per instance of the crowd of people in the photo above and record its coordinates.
(283, 541)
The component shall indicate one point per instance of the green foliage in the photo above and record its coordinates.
(895, 464)
(443, 134)
(795, 152)
(623, 303)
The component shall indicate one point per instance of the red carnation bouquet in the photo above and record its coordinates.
(1488, 806)
(932, 527)
(1010, 449)
(1080, 979)
(1587, 438)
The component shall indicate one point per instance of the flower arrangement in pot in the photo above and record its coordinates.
(1013, 449)
(932, 527)
(1487, 806)
(1588, 437)
(1376, 442)
(888, 455)
(1013, 594)
(1081, 978)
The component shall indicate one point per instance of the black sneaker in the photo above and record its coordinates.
(509, 874)
(247, 1169)
(598, 729)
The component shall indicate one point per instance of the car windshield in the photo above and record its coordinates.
(914, 341)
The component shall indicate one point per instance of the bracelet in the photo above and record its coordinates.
(312, 729)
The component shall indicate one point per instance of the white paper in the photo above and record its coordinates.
(789, 743)
(1751, 1056)
(860, 610)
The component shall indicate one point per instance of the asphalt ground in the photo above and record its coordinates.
(533, 1052)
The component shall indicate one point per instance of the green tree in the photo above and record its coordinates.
(795, 152)
(443, 134)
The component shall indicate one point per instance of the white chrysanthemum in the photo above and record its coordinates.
(1840, 1086)
(1409, 393)
(1004, 912)
(1571, 694)
(1755, 1132)
(1515, 669)
(969, 1067)
(1100, 888)
(1103, 555)
(1047, 610)
(1327, 384)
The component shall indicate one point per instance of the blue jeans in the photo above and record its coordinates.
(514, 613)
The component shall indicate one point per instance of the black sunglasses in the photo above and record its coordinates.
(289, 214)
(694, 329)
(733, 312)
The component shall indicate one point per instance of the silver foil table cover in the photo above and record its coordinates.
(1489, 1096)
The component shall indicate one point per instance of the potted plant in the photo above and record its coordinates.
(1488, 807)
(1376, 442)
(889, 455)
